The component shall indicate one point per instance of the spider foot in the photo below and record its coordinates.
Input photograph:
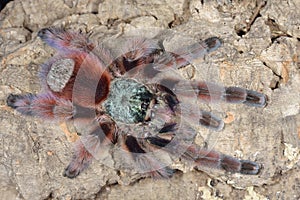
(208, 120)
(256, 99)
(12, 99)
(249, 167)
(234, 165)
(80, 161)
(88, 147)
(212, 44)
(20, 102)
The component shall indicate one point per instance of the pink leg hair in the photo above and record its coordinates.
(65, 41)
(88, 69)
(212, 93)
(186, 55)
(89, 146)
(209, 92)
(138, 53)
(203, 157)
(145, 163)
(80, 161)
(140, 150)
(45, 106)
(213, 159)
(141, 52)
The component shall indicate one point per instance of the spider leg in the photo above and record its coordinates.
(202, 157)
(50, 107)
(77, 79)
(186, 55)
(212, 93)
(80, 160)
(102, 134)
(138, 53)
(211, 121)
(65, 41)
(145, 162)
(209, 92)
(45, 106)
(213, 159)
(69, 42)
(173, 97)
(143, 54)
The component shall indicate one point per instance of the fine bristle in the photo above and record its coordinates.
(213, 43)
(132, 145)
(249, 167)
(210, 121)
(256, 99)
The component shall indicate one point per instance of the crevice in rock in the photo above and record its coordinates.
(177, 21)
(111, 22)
(275, 29)
(50, 196)
(104, 191)
(186, 14)
(276, 81)
(244, 28)
(114, 22)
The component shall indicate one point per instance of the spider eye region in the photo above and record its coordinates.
(128, 101)
(60, 73)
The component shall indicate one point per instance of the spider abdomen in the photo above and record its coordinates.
(128, 101)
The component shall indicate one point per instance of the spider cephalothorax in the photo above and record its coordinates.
(134, 101)
(128, 101)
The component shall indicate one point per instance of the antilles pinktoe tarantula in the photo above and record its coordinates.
(135, 101)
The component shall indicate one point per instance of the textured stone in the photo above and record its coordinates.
(260, 52)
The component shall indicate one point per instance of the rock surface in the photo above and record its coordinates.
(260, 52)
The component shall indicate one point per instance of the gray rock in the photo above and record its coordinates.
(260, 52)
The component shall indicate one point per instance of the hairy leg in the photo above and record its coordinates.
(211, 121)
(209, 92)
(145, 162)
(88, 147)
(46, 106)
(65, 41)
(136, 54)
(49, 107)
(203, 157)
(212, 93)
(186, 55)
(142, 55)
(213, 159)
(142, 151)
(179, 100)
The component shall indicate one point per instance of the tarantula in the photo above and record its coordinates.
(135, 101)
